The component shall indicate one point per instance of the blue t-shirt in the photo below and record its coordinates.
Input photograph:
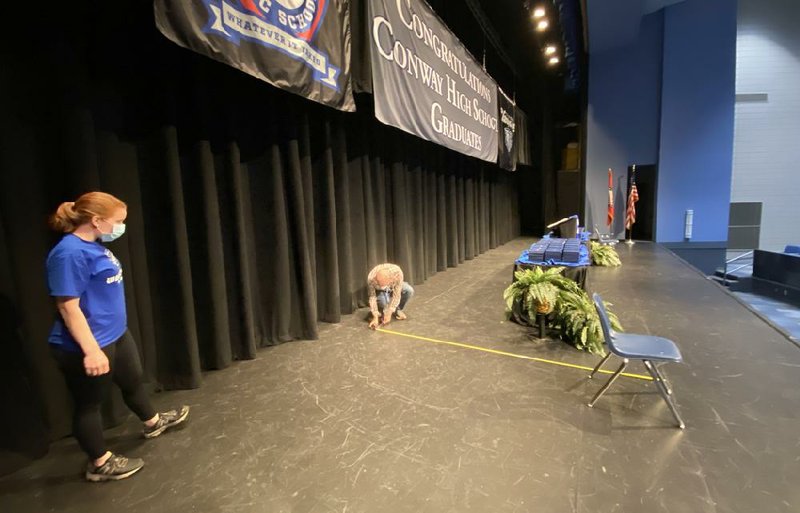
(89, 271)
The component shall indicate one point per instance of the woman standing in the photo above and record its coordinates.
(90, 338)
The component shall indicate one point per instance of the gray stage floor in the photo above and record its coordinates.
(785, 317)
(363, 421)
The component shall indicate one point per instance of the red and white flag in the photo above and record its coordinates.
(633, 197)
(610, 217)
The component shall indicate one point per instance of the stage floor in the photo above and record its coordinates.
(363, 421)
(785, 317)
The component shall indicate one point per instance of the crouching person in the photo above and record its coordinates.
(388, 294)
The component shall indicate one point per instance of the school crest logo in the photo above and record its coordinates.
(289, 26)
(301, 17)
(508, 137)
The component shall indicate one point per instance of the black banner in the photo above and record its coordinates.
(426, 83)
(507, 155)
(522, 143)
(302, 46)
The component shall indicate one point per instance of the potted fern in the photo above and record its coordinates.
(580, 324)
(547, 292)
(604, 255)
(535, 292)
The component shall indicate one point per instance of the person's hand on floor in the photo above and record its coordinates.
(374, 323)
(387, 318)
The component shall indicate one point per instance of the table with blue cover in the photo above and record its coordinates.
(573, 270)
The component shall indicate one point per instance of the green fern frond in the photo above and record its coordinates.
(604, 255)
(574, 311)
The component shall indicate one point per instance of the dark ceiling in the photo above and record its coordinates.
(519, 68)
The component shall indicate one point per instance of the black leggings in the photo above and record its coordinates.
(89, 392)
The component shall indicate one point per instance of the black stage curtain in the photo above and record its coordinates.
(253, 214)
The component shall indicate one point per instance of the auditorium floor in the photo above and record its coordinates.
(363, 421)
(785, 317)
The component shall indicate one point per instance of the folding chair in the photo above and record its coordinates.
(629, 346)
(604, 238)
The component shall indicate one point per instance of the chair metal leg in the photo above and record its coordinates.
(662, 388)
(663, 379)
(610, 381)
(600, 365)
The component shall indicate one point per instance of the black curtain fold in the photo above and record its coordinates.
(418, 202)
(328, 277)
(342, 234)
(213, 323)
(253, 214)
(441, 219)
(301, 217)
(451, 218)
(254, 236)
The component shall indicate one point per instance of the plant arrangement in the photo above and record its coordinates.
(548, 291)
(538, 290)
(604, 255)
(580, 324)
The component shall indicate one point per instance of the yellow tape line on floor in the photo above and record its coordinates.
(513, 355)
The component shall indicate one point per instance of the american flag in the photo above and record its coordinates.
(610, 217)
(633, 197)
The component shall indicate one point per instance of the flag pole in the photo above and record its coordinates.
(629, 242)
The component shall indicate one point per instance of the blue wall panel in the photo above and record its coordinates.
(697, 112)
(623, 118)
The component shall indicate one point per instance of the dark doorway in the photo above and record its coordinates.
(647, 184)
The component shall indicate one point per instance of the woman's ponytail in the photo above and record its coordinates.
(66, 219)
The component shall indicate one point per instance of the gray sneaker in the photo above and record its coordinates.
(166, 420)
(115, 468)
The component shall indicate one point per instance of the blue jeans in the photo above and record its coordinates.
(384, 297)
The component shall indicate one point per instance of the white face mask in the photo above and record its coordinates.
(116, 232)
